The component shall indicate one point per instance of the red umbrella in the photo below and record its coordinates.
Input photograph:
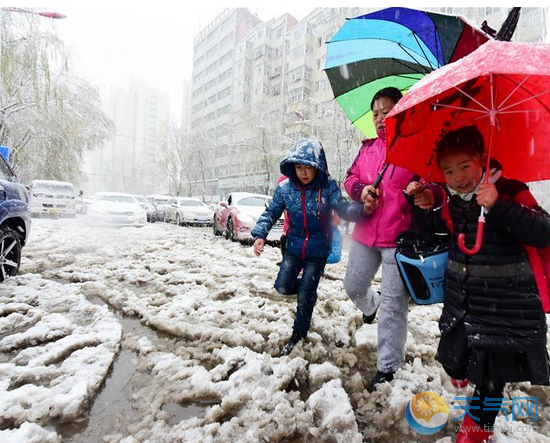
(504, 89)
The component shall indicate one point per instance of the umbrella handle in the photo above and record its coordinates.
(479, 237)
(379, 178)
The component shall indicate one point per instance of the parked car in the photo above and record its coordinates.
(149, 208)
(15, 221)
(116, 209)
(159, 201)
(51, 198)
(237, 214)
(187, 210)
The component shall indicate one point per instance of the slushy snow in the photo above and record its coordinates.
(225, 326)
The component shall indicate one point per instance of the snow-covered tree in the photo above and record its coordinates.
(48, 117)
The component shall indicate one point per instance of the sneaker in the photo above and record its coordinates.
(287, 349)
(369, 319)
(380, 377)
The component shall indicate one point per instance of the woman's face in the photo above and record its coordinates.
(306, 174)
(462, 171)
(380, 109)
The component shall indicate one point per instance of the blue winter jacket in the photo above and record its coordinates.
(309, 207)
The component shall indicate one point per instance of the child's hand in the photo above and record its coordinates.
(370, 202)
(486, 195)
(414, 188)
(258, 246)
(423, 198)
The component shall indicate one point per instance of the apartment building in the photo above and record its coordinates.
(126, 163)
(258, 87)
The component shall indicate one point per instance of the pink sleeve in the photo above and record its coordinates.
(353, 184)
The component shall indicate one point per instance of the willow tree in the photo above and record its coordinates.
(48, 117)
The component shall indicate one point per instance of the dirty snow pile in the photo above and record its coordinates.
(215, 300)
(55, 351)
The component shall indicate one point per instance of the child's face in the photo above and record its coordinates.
(306, 174)
(462, 171)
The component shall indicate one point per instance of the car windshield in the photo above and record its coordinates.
(254, 201)
(162, 200)
(47, 188)
(116, 198)
(191, 203)
(142, 200)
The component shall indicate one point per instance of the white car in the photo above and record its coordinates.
(187, 210)
(159, 201)
(51, 198)
(237, 214)
(116, 209)
(149, 208)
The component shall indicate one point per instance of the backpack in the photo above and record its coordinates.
(421, 261)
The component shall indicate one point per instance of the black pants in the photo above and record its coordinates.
(283, 244)
(486, 417)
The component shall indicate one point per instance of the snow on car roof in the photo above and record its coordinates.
(239, 195)
(160, 196)
(50, 182)
(119, 194)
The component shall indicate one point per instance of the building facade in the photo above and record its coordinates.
(126, 163)
(258, 87)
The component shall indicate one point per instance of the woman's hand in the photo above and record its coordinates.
(258, 246)
(486, 195)
(370, 203)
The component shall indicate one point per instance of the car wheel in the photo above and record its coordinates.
(231, 231)
(10, 254)
(178, 221)
(214, 227)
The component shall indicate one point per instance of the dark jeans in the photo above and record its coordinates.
(288, 283)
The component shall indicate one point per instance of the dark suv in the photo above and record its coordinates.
(15, 222)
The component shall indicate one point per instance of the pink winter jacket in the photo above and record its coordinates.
(394, 213)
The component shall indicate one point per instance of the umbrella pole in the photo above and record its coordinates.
(481, 220)
(378, 179)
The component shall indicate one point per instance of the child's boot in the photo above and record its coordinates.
(471, 432)
(290, 345)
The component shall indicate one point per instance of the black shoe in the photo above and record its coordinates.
(279, 263)
(369, 319)
(287, 349)
(380, 377)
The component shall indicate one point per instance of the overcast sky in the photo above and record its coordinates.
(110, 44)
(111, 41)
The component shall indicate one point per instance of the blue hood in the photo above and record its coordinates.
(310, 153)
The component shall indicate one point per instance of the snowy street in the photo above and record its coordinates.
(170, 334)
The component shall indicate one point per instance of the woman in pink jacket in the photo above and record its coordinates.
(373, 241)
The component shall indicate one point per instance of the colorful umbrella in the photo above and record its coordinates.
(392, 47)
(503, 88)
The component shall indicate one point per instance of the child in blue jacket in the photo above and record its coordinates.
(308, 195)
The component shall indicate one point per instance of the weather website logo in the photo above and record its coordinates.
(427, 413)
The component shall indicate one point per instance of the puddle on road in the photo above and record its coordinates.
(179, 412)
(112, 412)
